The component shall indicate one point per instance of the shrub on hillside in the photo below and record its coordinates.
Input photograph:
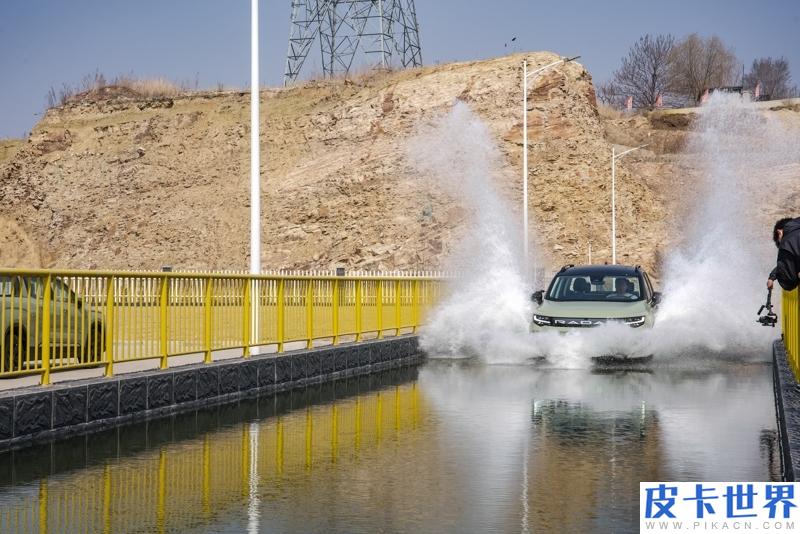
(96, 86)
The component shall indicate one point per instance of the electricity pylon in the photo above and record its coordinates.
(386, 31)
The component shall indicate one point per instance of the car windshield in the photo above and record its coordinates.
(8, 285)
(607, 288)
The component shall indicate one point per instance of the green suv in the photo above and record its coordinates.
(591, 295)
(76, 328)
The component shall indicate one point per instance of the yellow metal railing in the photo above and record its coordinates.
(58, 320)
(180, 486)
(790, 310)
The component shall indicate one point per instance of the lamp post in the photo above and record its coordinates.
(614, 158)
(255, 174)
(525, 75)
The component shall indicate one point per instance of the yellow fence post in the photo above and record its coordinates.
(378, 417)
(43, 506)
(357, 433)
(109, 333)
(47, 296)
(207, 320)
(280, 312)
(796, 333)
(414, 405)
(415, 306)
(397, 409)
(335, 311)
(163, 319)
(106, 499)
(279, 446)
(397, 307)
(309, 437)
(359, 292)
(379, 306)
(309, 313)
(245, 481)
(206, 476)
(790, 325)
(334, 433)
(247, 316)
(161, 491)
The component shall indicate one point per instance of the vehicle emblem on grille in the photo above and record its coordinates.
(578, 322)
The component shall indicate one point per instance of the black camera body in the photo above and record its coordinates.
(771, 318)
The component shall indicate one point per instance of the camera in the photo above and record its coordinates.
(770, 319)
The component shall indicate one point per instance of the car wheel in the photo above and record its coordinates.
(93, 346)
(14, 345)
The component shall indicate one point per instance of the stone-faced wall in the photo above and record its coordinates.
(787, 408)
(43, 412)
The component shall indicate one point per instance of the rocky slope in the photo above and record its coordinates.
(128, 183)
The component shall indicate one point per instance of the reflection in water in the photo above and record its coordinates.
(461, 447)
(178, 484)
(546, 450)
(613, 451)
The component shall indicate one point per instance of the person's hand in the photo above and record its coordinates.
(770, 283)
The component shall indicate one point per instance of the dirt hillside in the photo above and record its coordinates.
(130, 183)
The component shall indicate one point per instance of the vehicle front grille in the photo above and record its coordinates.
(574, 322)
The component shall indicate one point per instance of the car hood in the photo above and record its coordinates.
(592, 310)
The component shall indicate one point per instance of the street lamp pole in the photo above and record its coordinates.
(525, 76)
(255, 163)
(255, 177)
(525, 164)
(614, 158)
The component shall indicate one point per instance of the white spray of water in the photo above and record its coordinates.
(716, 281)
(713, 283)
(486, 312)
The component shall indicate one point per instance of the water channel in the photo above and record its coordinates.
(450, 446)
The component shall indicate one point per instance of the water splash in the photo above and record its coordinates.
(713, 283)
(716, 281)
(486, 311)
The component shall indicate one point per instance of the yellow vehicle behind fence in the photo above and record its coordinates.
(55, 320)
(75, 329)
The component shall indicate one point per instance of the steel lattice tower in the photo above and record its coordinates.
(386, 31)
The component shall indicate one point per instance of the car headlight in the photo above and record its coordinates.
(542, 320)
(634, 322)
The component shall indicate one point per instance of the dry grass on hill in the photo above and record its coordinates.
(94, 87)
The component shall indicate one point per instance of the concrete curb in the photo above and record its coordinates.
(35, 414)
(787, 408)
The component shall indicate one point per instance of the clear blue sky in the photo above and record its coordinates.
(45, 43)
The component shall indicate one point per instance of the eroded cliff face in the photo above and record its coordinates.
(127, 183)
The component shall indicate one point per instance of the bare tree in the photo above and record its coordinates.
(609, 95)
(699, 63)
(644, 73)
(772, 74)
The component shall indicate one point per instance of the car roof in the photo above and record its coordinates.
(600, 270)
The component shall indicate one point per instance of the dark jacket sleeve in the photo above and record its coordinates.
(787, 270)
(774, 274)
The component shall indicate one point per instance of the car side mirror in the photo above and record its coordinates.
(656, 298)
(538, 297)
